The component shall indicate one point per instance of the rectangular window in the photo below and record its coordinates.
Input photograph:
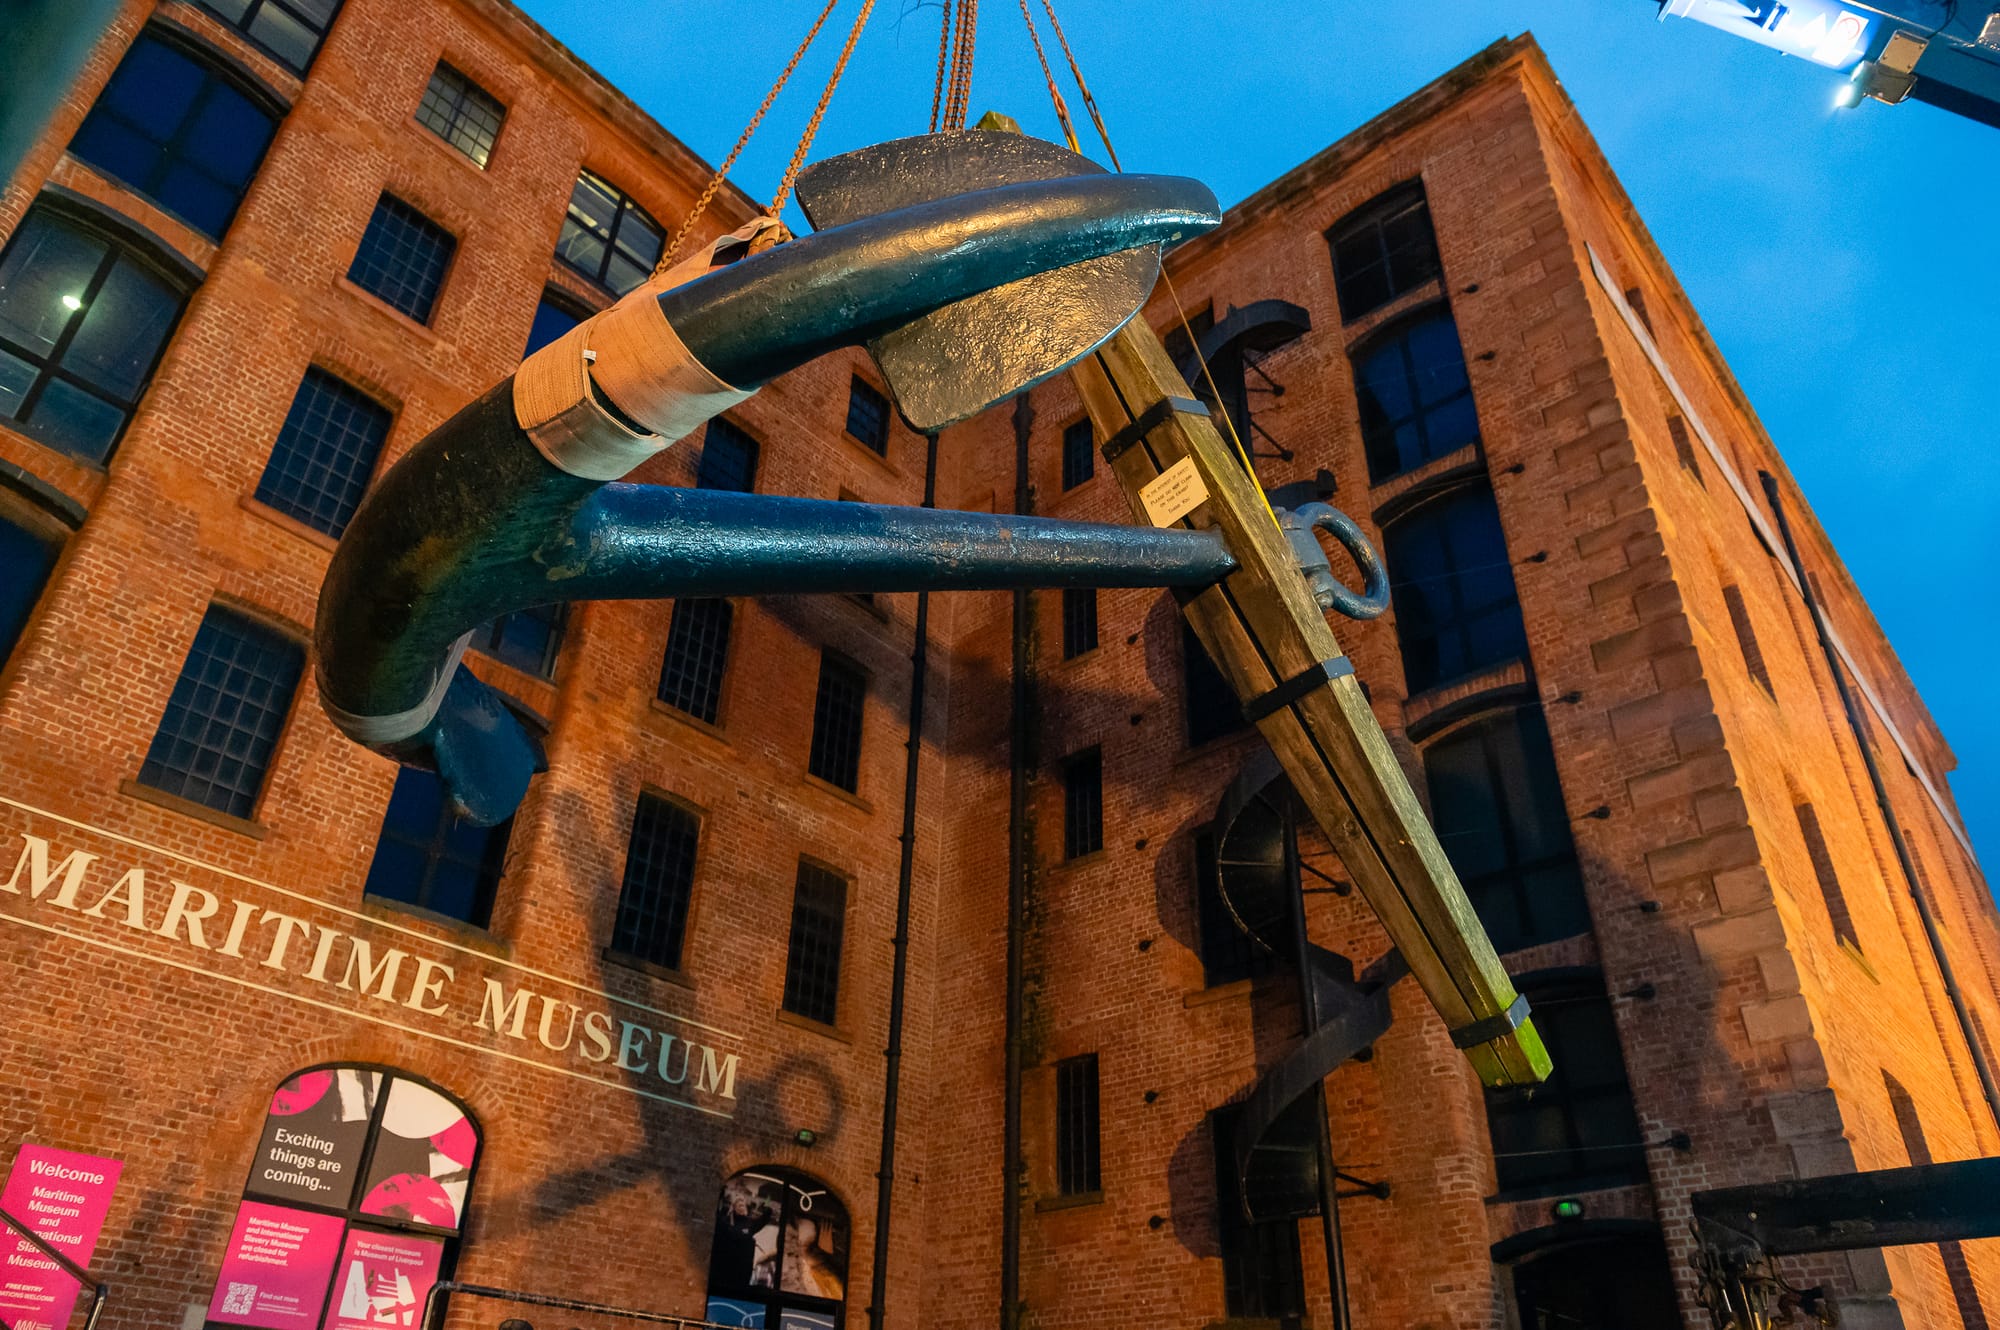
(179, 128)
(1210, 704)
(403, 258)
(1829, 880)
(291, 30)
(1227, 953)
(1414, 397)
(728, 458)
(697, 651)
(1684, 447)
(27, 556)
(812, 959)
(529, 639)
(1746, 637)
(1382, 250)
(429, 857)
(1083, 804)
(1262, 1274)
(607, 237)
(83, 320)
(1578, 1129)
(837, 715)
(1079, 629)
(1079, 453)
(554, 316)
(1078, 1171)
(868, 416)
(461, 113)
(223, 718)
(659, 882)
(325, 453)
(1452, 585)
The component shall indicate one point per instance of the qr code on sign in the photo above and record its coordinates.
(239, 1299)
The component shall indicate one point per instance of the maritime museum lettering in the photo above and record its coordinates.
(471, 999)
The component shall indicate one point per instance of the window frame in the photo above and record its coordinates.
(1429, 504)
(1079, 621)
(389, 199)
(841, 669)
(1373, 216)
(1079, 1126)
(683, 907)
(123, 242)
(455, 118)
(627, 205)
(720, 678)
(1079, 464)
(241, 27)
(794, 981)
(1397, 334)
(1211, 713)
(265, 491)
(488, 636)
(219, 69)
(859, 390)
(491, 867)
(736, 436)
(261, 625)
(41, 525)
(1083, 836)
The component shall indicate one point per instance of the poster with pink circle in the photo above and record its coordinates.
(275, 1270)
(62, 1198)
(422, 1163)
(384, 1279)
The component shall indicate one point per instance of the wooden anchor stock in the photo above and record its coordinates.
(1271, 640)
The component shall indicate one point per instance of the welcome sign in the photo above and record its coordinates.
(98, 889)
(62, 1198)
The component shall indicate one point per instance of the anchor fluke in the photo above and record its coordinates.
(956, 361)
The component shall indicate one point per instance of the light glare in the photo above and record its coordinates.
(71, 302)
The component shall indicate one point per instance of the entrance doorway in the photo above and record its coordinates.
(1604, 1283)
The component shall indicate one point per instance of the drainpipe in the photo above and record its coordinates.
(1854, 722)
(885, 1175)
(1020, 745)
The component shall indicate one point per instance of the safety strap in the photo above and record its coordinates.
(635, 359)
(1492, 1027)
(1296, 687)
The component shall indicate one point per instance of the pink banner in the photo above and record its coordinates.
(384, 1278)
(275, 1272)
(62, 1197)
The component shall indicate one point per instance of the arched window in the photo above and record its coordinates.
(1383, 249)
(1499, 815)
(607, 237)
(1415, 401)
(179, 128)
(354, 1204)
(780, 1256)
(1598, 1280)
(1453, 589)
(1577, 1130)
(84, 315)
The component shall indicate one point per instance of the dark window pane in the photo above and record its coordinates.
(1262, 1273)
(1578, 1129)
(837, 716)
(868, 416)
(1823, 869)
(1079, 453)
(1211, 704)
(1083, 804)
(1382, 250)
(1453, 589)
(1414, 398)
(1227, 953)
(1078, 1170)
(552, 319)
(1079, 623)
(697, 651)
(1499, 814)
(659, 881)
(178, 130)
(728, 458)
(527, 639)
(1746, 637)
(403, 258)
(224, 715)
(461, 113)
(429, 857)
(607, 237)
(812, 958)
(289, 29)
(82, 324)
(326, 451)
(27, 556)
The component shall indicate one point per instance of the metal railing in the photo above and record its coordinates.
(434, 1303)
(99, 1291)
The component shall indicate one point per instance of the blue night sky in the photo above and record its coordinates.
(1839, 258)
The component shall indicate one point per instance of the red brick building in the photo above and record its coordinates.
(628, 1047)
